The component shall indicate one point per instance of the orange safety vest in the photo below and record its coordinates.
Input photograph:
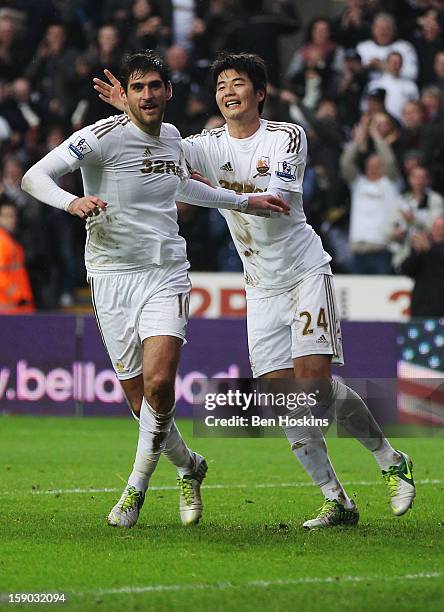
(15, 288)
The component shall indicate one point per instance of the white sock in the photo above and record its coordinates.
(178, 452)
(309, 446)
(353, 415)
(153, 431)
(386, 455)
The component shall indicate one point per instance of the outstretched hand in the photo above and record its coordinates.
(110, 93)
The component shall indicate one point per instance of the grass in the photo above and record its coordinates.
(248, 553)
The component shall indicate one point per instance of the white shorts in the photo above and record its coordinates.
(302, 321)
(133, 306)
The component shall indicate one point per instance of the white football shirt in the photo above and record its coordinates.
(276, 252)
(138, 176)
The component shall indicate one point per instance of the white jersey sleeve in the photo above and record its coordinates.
(287, 171)
(200, 194)
(80, 149)
(40, 181)
(194, 155)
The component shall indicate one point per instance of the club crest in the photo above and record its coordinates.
(262, 167)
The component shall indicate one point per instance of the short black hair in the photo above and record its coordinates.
(141, 63)
(249, 63)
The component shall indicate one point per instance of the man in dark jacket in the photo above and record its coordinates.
(425, 265)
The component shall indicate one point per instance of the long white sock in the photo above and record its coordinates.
(309, 446)
(353, 415)
(153, 432)
(177, 451)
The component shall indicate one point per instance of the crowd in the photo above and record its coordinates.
(367, 86)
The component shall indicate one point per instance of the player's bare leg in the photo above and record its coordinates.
(309, 446)
(351, 412)
(151, 398)
(175, 449)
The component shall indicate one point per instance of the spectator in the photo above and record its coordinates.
(50, 70)
(178, 61)
(375, 50)
(432, 147)
(209, 30)
(86, 108)
(64, 264)
(15, 288)
(428, 42)
(374, 102)
(116, 11)
(325, 138)
(31, 232)
(425, 265)
(413, 158)
(408, 15)
(314, 69)
(147, 30)
(106, 52)
(353, 25)
(373, 193)
(412, 119)
(431, 101)
(200, 102)
(398, 89)
(387, 128)
(12, 50)
(258, 31)
(23, 110)
(415, 212)
(351, 86)
(438, 72)
(183, 20)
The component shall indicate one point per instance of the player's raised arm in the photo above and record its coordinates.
(111, 92)
(200, 194)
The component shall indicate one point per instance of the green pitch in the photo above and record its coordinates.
(248, 553)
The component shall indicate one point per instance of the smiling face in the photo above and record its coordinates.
(147, 96)
(236, 98)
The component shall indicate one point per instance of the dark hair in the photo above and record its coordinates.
(141, 63)
(311, 26)
(250, 64)
(396, 53)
